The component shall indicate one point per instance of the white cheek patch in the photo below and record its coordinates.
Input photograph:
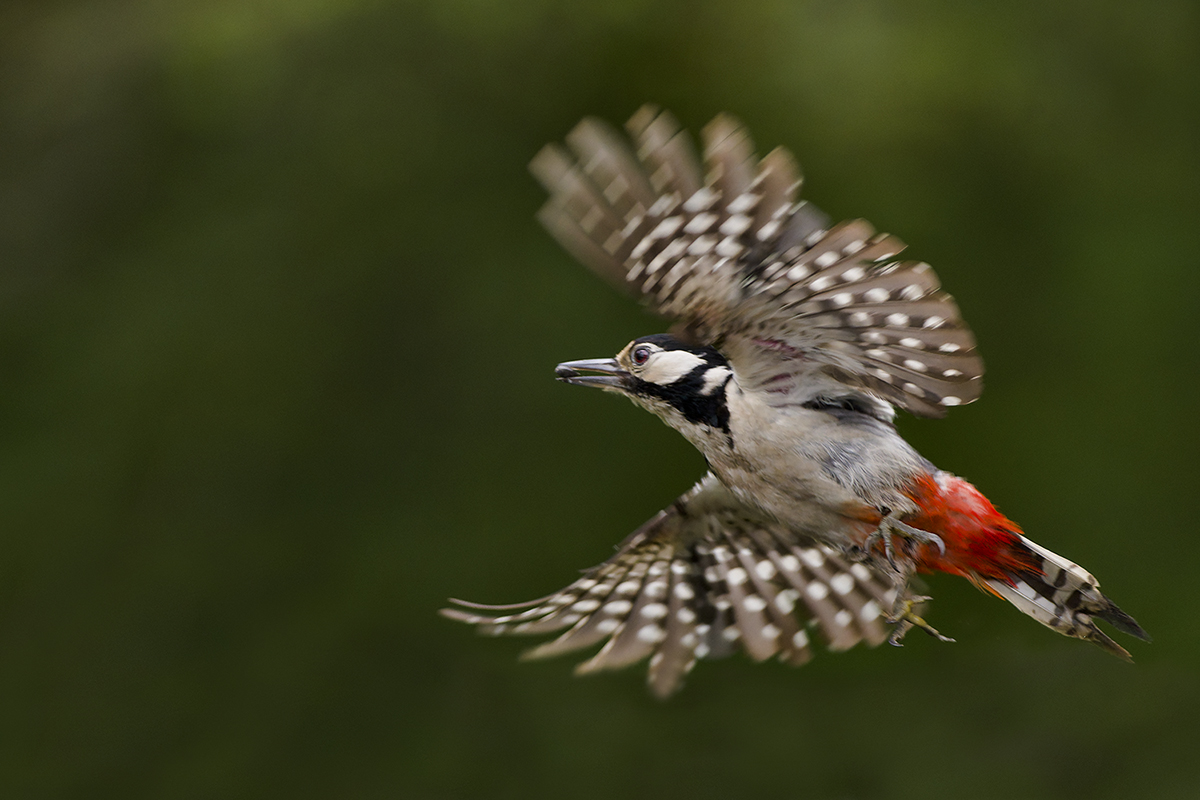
(668, 366)
(714, 379)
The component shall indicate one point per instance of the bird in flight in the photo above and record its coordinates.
(794, 342)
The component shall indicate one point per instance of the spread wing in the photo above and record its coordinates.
(700, 580)
(797, 305)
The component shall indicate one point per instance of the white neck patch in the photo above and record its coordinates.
(668, 366)
(714, 379)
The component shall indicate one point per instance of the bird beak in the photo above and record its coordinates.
(611, 375)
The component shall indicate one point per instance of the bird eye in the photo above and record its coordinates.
(640, 355)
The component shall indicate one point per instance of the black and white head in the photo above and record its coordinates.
(684, 385)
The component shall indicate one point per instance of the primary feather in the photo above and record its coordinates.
(731, 252)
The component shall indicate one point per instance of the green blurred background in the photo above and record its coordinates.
(277, 330)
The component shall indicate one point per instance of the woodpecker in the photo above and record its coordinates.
(795, 341)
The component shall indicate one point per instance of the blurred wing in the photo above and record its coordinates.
(732, 253)
(700, 580)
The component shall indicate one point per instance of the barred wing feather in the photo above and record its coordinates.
(731, 252)
(701, 580)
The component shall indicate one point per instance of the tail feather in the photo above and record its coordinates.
(1065, 597)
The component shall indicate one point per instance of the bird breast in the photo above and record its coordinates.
(802, 465)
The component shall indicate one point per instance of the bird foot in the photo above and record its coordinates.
(892, 528)
(905, 619)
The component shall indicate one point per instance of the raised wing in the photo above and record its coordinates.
(700, 580)
(797, 306)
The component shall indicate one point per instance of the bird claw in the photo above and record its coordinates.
(890, 527)
(905, 619)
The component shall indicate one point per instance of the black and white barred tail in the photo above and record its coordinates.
(1065, 597)
(701, 581)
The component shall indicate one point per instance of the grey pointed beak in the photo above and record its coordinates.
(610, 376)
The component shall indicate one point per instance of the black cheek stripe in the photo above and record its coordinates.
(686, 396)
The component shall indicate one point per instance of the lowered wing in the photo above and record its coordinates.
(702, 579)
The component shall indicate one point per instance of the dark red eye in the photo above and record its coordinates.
(640, 355)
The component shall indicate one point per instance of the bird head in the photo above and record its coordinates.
(681, 383)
